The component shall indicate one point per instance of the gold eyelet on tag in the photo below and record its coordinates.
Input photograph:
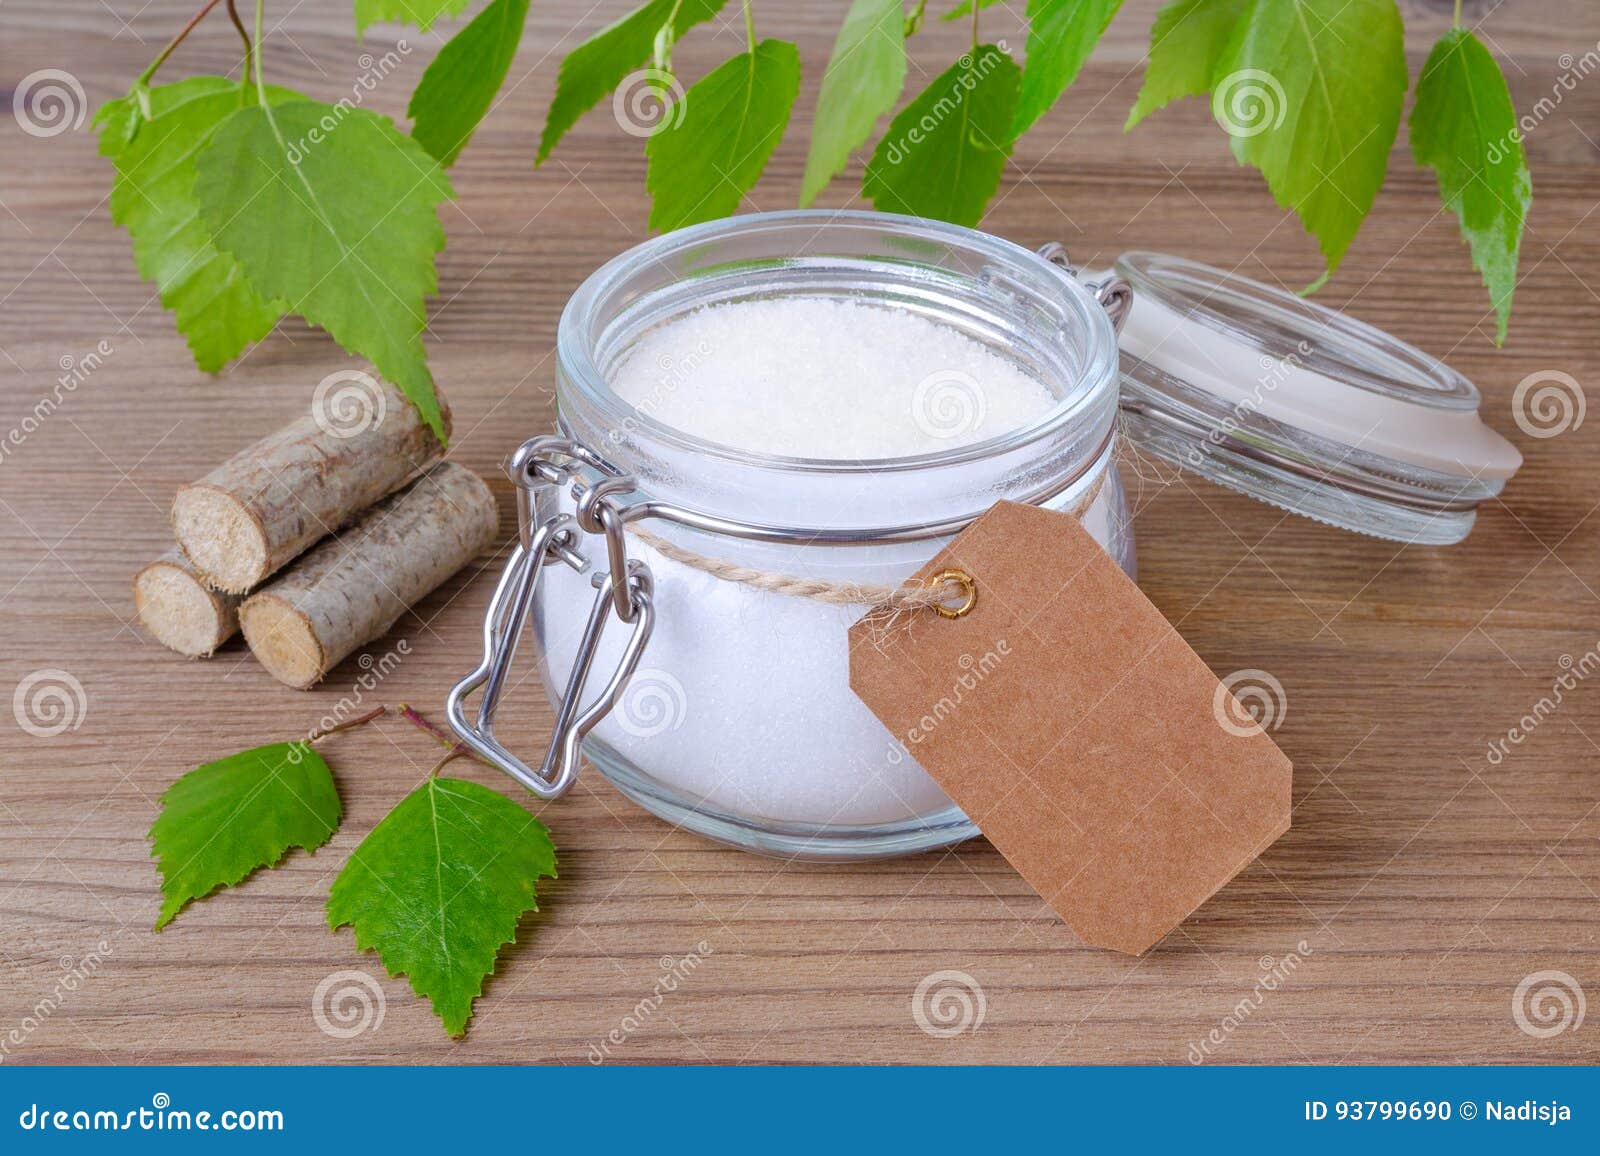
(969, 592)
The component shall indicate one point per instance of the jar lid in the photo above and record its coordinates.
(1302, 407)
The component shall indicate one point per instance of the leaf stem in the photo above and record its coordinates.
(749, 26)
(261, 87)
(449, 758)
(976, 8)
(429, 727)
(666, 37)
(359, 720)
(144, 77)
(244, 35)
(1457, 18)
(914, 21)
(426, 725)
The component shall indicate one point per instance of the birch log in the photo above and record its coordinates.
(352, 587)
(272, 500)
(177, 606)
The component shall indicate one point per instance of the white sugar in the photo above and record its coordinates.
(742, 703)
(822, 378)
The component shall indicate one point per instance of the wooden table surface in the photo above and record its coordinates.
(1421, 881)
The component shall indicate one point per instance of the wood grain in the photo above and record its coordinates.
(1424, 881)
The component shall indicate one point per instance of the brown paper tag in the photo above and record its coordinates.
(1076, 728)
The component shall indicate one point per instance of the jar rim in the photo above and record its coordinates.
(576, 336)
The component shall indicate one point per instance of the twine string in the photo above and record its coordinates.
(906, 596)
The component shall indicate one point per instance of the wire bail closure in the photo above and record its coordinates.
(625, 589)
(1114, 294)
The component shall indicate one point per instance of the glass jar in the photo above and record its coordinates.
(724, 706)
(738, 721)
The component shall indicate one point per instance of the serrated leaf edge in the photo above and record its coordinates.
(430, 408)
(335, 923)
(1501, 311)
(165, 917)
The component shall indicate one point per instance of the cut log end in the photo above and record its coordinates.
(221, 536)
(284, 641)
(353, 587)
(177, 607)
(273, 499)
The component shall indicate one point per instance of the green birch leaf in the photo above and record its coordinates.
(1464, 127)
(964, 9)
(222, 821)
(422, 13)
(1061, 34)
(218, 311)
(862, 83)
(459, 86)
(1310, 91)
(591, 70)
(1186, 43)
(439, 887)
(332, 209)
(943, 155)
(119, 119)
(713, 143)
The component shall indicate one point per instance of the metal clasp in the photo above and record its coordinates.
(1114, 294)
(625, 589)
